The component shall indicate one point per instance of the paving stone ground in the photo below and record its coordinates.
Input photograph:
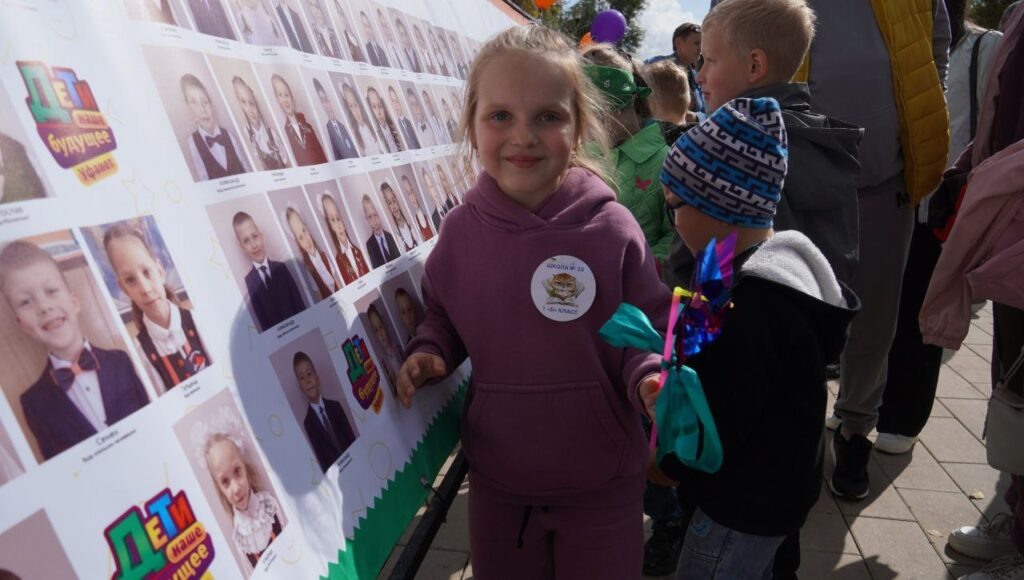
(900, 529)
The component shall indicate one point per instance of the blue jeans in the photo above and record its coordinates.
(712, 550)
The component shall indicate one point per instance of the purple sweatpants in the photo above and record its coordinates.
(516, 541)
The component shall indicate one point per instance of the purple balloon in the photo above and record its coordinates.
(608, 26)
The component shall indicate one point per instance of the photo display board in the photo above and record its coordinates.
(214, 216)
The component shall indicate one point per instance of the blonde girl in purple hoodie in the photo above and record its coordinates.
(524, 274)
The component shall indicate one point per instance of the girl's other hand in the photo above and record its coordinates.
(649, 394)
(417, 369)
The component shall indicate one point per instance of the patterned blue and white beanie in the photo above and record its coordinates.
(731, 166)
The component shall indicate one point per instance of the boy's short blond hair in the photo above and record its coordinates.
(670, 89)
(783, 29)
(20, 254)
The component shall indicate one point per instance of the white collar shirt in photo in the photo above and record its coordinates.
(389, 140)
(293, 122)
(383, 244)
(370, 143)
(170, 340)
(408, 240)
(254, 526)
(85, 392)
(261, 137)
(263, 268)
(346, 251)
(427, 137)
(321, 412)
(322, 270)
(421, 219)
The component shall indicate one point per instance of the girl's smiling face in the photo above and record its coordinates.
(230, 473)
(524, 125)
(140, 276)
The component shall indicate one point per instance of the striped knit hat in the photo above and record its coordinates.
(731, 166)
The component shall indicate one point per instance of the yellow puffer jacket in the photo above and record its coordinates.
(906, 26)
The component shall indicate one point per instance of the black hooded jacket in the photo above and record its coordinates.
(764, 378)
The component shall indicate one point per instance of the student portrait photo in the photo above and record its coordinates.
(414, 197)
(324, 36)
(375, 53)
(198, 116)
(400, 113)
(383, 337)
(261, 135)
(257, 23)
(406, 43)
(402, 299)
(65, 369)
(347, 30)
(438, 205)
(20, 173)
(425, 133)
(232, 477)
(366, 137)
(371, 221)
(436, 124)
(380, 117)
(259, 259)
(293, 111)
(389, 38)
(424, 48)
(151, 299)
(336, 220)
(395, 205)
(211, 18)
(290, 20)
(461, 63)
(342, 145)
(159, 11)
(310, 381)
(306, 241)
(17, 562)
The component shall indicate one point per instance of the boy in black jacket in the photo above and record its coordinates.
(764, 376)
(742, 60)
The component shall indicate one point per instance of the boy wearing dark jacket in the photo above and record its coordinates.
(820, 195)
(764, 377)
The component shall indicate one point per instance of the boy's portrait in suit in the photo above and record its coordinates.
(66, 372)
(319, 402)
(211, 146)
(259, 259)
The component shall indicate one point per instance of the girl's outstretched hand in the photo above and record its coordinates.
(417, 369)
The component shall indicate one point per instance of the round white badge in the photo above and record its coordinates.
(563, 288)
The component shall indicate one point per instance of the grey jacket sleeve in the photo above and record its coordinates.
(942, 37)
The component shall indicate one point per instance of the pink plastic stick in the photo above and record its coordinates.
(673, 317)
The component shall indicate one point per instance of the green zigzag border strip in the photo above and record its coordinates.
(386, 520)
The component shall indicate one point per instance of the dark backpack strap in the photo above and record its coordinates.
(974, 82)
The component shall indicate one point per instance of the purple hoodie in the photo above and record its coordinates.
(551, 416)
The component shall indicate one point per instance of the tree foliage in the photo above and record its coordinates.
(987, 13)
(574, 18)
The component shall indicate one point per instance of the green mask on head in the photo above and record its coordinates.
(617, 85)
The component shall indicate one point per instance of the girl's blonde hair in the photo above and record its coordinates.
(588, 107)
(250, 471)
(126, 232)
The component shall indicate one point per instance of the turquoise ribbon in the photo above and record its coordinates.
(685, 425)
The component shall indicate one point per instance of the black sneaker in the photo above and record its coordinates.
(850, 478)
(661, 552)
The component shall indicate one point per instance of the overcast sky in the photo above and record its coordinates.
(661, 17)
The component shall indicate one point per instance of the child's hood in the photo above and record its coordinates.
(581, 195)
(790, 260)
